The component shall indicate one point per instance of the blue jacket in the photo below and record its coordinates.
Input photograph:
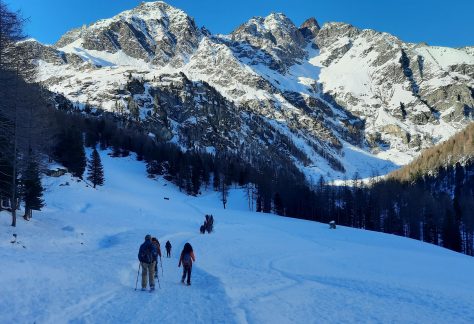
(147, 252)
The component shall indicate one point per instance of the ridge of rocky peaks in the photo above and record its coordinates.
(387, 98)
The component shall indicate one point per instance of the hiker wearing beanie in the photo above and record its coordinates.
(146, 255)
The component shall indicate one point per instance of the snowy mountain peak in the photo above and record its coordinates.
(154, 32)
(156, 10)
(276, 35)
(275, 24)
(278, 20)
(310, 28)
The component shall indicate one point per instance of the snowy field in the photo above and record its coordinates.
(76, 262)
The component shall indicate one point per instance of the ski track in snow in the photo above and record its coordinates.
(117, 301)
(76, 262)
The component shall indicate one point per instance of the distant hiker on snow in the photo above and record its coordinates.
(187, 258)
(168, 249)
(156, 243)
(208, 225)
(146, 255)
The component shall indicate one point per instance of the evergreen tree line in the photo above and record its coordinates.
(30, 126)
(24, 127)
(434, 209)
(271, 185)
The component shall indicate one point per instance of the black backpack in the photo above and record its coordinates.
(144, 254)
(186, 259)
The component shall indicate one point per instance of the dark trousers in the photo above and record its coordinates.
(168, 253)
(187, 271)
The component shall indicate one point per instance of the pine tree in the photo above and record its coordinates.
(95, 170)
(451, 234)
(70, 151)
(258, 207)
(32, 189)
(196, 179)
(216, 180)
(278, 204)
(134, 109)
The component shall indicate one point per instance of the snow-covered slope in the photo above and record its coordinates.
(320, 91)
(76, 261)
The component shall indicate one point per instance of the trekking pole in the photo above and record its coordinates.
(161, 264)
(158, 279)
(136, 282)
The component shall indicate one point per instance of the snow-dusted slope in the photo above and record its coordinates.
(322, 91)
(76, 261)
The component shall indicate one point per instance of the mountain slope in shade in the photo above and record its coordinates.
(334, 100)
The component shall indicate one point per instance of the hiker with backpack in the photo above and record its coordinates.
(187, 258)
(168, 249)
(146, 255)
(156, 243)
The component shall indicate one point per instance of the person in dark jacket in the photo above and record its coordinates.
(187, 258)
(146, 255)
(156, 243)
(168, 249)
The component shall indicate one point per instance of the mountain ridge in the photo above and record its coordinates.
(334, 91)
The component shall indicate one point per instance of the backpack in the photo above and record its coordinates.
(186, 259)
(145, 253)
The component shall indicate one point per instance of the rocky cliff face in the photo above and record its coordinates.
(153, 32)
(274, 35)
(334, 100)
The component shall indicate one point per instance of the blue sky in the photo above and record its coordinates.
(447, 23)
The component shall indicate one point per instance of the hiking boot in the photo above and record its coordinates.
(189, 284)
(152, 288)
(143, 289)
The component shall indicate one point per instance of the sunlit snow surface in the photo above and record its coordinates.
(79, 263)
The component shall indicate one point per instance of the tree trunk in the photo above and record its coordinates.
(13, 211)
